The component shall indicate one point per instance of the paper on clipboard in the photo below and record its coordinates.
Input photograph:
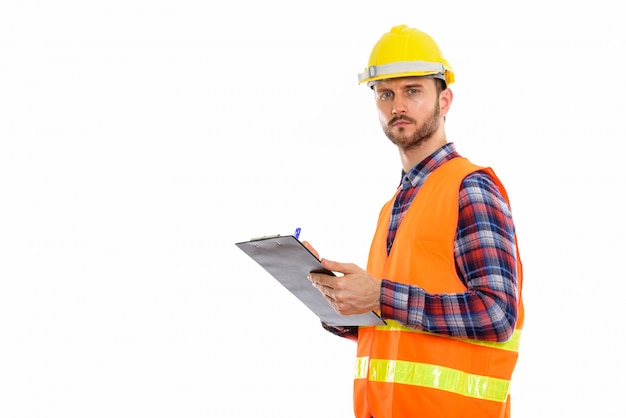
(289, 262)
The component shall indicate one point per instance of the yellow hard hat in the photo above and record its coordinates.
(406, 52)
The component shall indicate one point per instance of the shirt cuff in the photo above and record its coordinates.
(394, 301)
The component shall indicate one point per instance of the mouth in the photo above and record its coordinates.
(400, 121)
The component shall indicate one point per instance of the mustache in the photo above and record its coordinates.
(400, 117)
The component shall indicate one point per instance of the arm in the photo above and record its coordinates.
(486, 262)
(485, 254)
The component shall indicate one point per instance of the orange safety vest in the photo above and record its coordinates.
(403, 372)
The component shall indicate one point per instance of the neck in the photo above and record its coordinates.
(409, 158)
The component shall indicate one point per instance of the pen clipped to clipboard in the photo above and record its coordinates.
(289, 262)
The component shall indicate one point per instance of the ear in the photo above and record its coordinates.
(445, 100)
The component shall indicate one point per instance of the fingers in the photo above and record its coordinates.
(332, 296)
(310, 248)
(320, 280)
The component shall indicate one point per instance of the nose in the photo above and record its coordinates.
(399, 106)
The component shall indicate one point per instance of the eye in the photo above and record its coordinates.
(385, 95)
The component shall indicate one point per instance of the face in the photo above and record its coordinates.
(409, 110)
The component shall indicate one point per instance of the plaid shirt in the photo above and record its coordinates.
(485, 254)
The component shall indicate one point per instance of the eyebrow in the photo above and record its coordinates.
(412, 84)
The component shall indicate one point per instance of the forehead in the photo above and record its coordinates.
(404, 82)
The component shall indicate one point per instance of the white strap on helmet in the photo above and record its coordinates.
(402, 67)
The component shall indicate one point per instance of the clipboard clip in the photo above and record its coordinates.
(264, 237)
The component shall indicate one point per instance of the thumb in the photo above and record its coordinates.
(343, 268)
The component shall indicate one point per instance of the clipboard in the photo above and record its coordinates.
(289, 262)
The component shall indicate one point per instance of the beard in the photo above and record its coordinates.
(421, 135)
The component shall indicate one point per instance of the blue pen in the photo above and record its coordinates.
(297, 233)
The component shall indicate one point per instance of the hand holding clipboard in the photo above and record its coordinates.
(290, 262)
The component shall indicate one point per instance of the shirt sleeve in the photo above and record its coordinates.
(485, 256)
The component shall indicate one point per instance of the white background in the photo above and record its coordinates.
(139, 140)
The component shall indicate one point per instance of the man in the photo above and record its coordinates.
(443, 270)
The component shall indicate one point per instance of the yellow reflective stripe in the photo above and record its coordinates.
(511, 345)
(360, 367)
(436, 377)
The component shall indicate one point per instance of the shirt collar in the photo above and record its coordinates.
(418, 174)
